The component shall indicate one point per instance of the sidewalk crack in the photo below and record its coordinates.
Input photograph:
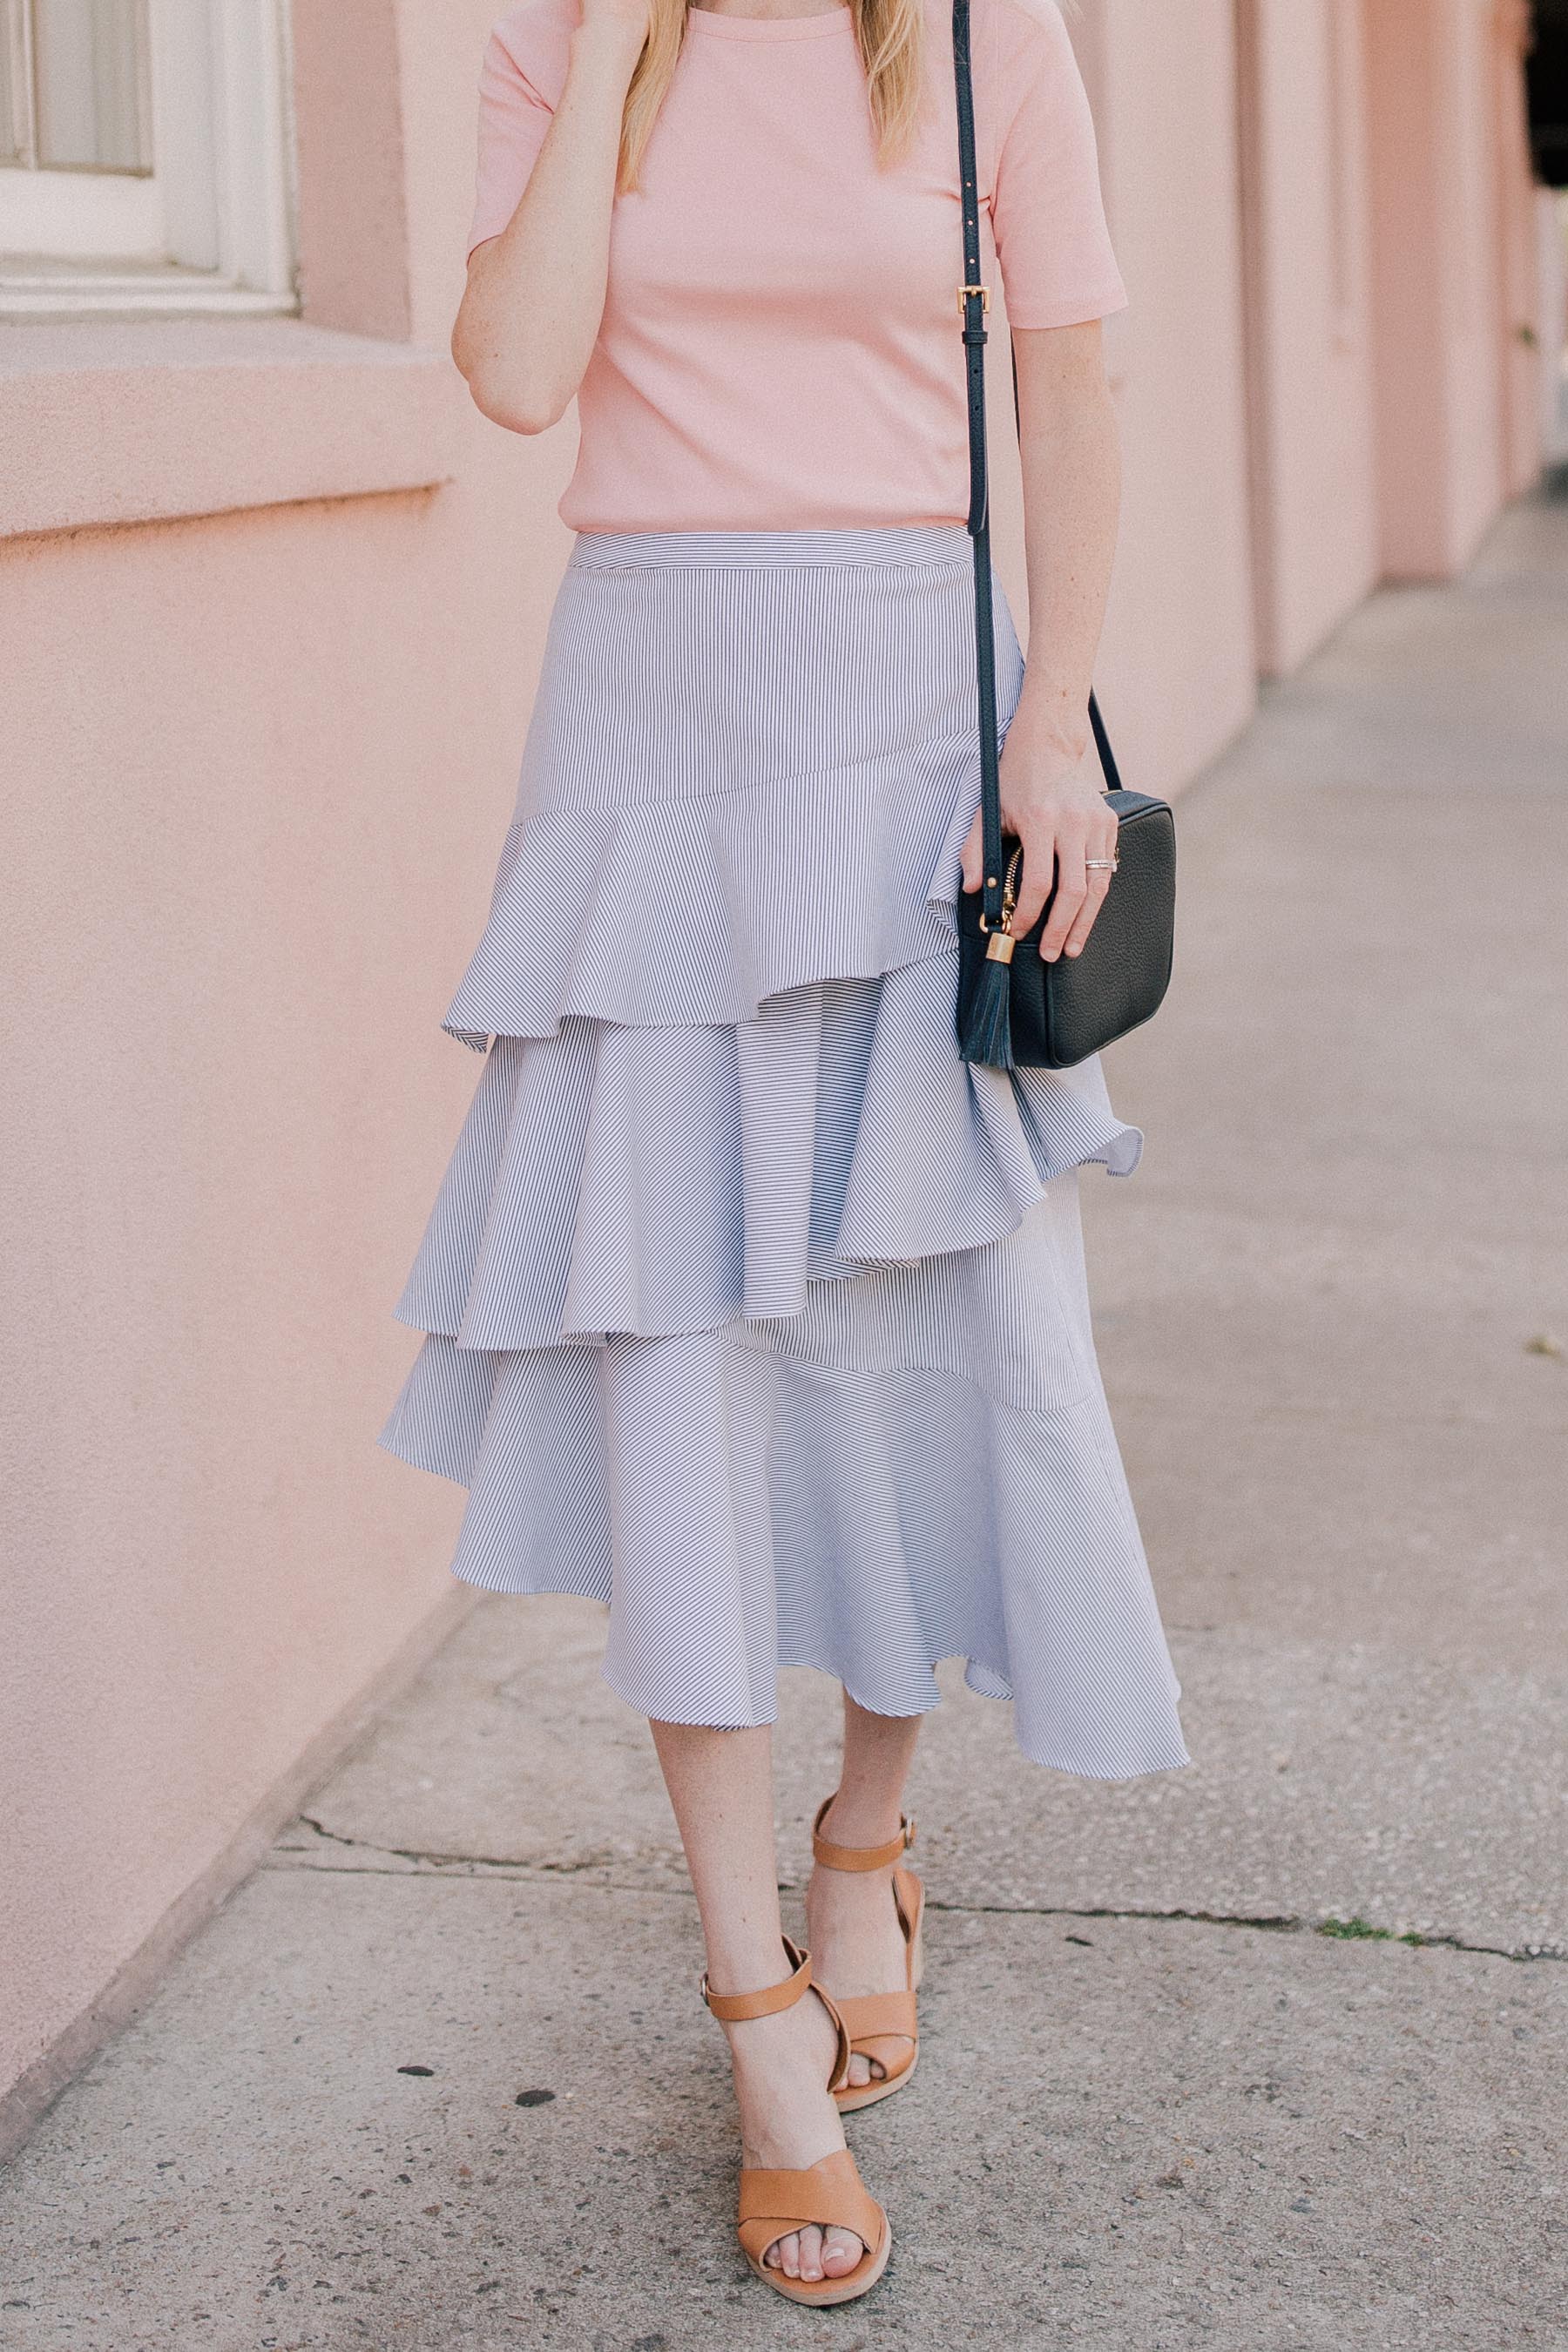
(1279, 1923)
(1275, 1923)
(426, 1858)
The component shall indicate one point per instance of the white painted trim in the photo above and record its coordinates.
(185, 143)
(110, 214)
(219, 206)
(104, 292)
(249, 110)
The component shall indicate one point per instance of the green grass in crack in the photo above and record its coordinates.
(1362, 1931)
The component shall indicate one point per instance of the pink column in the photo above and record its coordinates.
(353, 165)
(1178, 669)
(1432, 88)
(1525, 354)
(1301, 101)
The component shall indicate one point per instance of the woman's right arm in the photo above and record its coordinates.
(535, 294)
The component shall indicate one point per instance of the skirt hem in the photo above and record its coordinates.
(993, 1686)
(1048, 1761)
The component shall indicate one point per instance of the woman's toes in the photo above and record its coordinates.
(814, 2254)
(860, 2071)
(841, 2250)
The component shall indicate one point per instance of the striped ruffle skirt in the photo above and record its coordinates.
(751, 1310)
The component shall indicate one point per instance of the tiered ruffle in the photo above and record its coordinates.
(753, 1310)
(656, 1182)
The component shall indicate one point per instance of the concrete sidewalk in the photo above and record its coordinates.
(437, 2077)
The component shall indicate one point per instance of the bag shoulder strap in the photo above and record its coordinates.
(974, 305)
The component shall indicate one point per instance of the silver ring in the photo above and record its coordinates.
(1100, 864)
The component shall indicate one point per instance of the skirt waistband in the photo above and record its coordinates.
(730, 551)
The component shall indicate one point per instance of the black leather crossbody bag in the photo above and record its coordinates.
(1014, 1009)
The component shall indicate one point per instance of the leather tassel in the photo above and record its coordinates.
(988, 1026)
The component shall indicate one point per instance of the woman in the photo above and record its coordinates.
(753, 1309)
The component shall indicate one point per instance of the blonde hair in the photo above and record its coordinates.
(887, 33)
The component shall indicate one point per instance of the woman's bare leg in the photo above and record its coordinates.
(856, 1944)
(720, 1786)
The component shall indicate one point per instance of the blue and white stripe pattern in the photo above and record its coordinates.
(754, 1311)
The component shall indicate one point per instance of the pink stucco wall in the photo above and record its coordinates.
(1178, 666)
(271, 617)
(260, 784)
(1309, 327)
(257, 771)
(1453, 283)
(1177, 671)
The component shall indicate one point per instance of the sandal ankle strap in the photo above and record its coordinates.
(859, 1857)
(734, 2008)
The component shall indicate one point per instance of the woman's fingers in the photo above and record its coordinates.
(1054, 852)
(1037, 876)
(1057, 848)
(1072, 883)
(1083, 921)
(1056, 869)
(1099, 855)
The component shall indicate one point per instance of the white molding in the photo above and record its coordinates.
(28, 292)
(113, 215)
(184, 139)
(255, 231)
(212, 228)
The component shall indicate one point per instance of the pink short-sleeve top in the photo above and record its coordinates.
(779, 349)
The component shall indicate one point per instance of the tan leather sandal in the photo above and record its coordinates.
(829, 2192)
(881, 2025)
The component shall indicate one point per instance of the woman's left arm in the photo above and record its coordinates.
(1051, 791)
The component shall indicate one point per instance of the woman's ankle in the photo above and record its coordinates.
(748, 1965)
(859, 1818)
(782, 2066)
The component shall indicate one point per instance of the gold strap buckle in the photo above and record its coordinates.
(966, 293)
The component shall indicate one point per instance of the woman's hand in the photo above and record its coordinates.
(1053, 803)
(535, 296)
